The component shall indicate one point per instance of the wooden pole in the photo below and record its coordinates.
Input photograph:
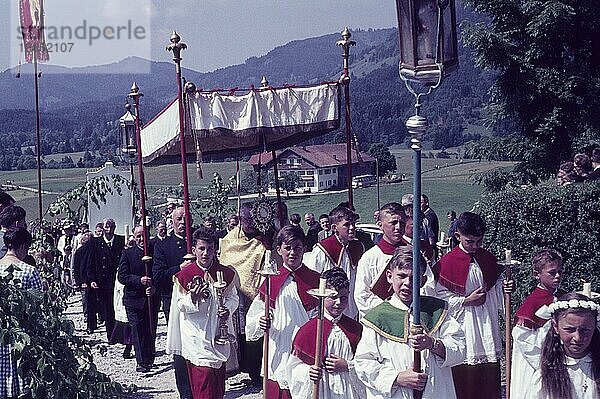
(136, 94)
(319, 343)
(176, 46)
(266, 335)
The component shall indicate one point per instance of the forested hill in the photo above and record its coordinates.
(81, 105)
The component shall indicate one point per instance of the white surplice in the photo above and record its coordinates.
(378, 360)
(343, 385)
(480, 323)
(525, 359)
(288, 315)
(319, 262)
(193, 326)
(370, 267)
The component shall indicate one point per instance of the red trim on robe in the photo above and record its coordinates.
(333, 249)
(187, 274)
(453, 269)
(526, 316)
(386, 247)
(305, 340)
(305, 279)
(382, 288)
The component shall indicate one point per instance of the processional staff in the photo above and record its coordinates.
(507, 263)
(268, 270)
(346, 43)
(146, 259)
(176, 46)
(320, 293)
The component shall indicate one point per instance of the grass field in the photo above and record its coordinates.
(448, 186)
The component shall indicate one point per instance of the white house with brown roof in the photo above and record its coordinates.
(320, 167)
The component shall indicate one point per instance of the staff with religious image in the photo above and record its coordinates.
(569, 364)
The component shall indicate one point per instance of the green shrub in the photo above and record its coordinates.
(565, 218)
(53, 361)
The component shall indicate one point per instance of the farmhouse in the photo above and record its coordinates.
(319, 167)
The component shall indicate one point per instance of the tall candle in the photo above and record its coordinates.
(219, 277)
(443, 237)
(126, 233)
(587, 289)
(508, 256)
(322, 283)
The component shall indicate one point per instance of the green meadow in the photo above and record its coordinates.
(447, 182)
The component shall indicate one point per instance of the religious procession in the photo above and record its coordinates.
(400, 307)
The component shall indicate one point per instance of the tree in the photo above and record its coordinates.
(289, 182)
(217, 202)
(387, 162)
(547, 58)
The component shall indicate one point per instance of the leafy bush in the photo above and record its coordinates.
(54, 362)
(565, 218)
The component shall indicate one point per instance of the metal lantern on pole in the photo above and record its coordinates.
(428, 53)
(127, 130)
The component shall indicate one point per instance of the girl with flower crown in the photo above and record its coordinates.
(570, 356)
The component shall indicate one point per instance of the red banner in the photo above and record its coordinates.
(32, 30)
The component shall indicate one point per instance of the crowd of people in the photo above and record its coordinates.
(243, 289)
(583, 167)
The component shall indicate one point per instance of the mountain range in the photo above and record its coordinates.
(80, 106)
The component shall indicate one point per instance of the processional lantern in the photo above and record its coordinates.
(427, 38)
(127, 130)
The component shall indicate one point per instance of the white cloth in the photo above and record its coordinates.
(480, 323)
(229, 121)
(193, 327)
(525, 360)
(120, 314)
(378, 361)
(319, 261)
(580, 372)
(288, 316)
(339, 385)
(370, 266)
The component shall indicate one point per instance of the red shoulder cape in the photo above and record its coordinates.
(453, 269)
(382, 288)
(386, 247)
(305, 279)
(186, 275)
(526, 316)
(305, 340)
(333, 248)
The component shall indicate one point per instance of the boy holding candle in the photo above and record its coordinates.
(469, 278)
(547, 269)
(384, 356)
(337, 377)
(290, 307)
(342, 250)
(195, 316)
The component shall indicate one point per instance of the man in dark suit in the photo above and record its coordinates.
(139, 299)
(102, 259)
(168, 260)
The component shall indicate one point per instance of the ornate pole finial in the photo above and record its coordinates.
(135, 91)
(176, 46)
(345, 43)
(264, 82)
(189, 88)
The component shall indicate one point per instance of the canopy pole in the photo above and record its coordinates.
(146, 259)
(38, 140)
(176, 46)
(346, 43)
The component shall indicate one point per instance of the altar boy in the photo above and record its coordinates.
(385, 353)
(336, 377)
(291, 306)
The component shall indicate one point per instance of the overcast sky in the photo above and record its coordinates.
(218, 32)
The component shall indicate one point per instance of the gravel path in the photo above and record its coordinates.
(158, 384)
